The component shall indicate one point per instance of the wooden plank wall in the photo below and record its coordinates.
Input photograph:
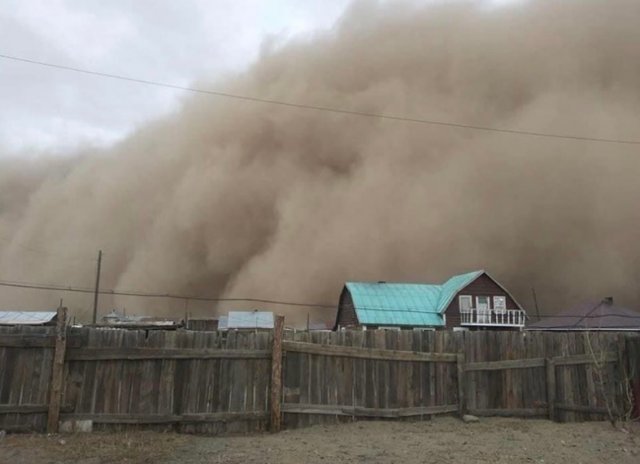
(25, 374)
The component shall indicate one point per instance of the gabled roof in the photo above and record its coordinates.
(591, 315)
(406, 304)
(26, 317)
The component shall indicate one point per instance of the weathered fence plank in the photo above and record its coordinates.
(341, 410)
(55, 397)
(607, 357)
(519, 412)
(461, 384)
(368, 353)
(166, 418)
(502, 365)
(104, 354)
(276, 374)
(551, 387)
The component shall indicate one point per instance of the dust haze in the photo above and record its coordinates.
(228, 198)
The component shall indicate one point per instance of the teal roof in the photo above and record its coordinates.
(406, 304)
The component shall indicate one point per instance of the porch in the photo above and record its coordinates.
(492, 317)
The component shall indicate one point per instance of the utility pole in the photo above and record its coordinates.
(535, 302)
(95, 294)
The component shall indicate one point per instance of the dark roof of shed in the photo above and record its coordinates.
(591, 315)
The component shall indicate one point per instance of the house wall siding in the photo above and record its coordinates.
(346, 312)
(482, 286)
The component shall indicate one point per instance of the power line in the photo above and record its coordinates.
(322, 108)
(42, 250)
(35, 286)
(28, 285)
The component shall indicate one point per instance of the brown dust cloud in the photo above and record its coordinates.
(229, 198)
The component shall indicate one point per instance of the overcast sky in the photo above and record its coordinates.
(44, 109)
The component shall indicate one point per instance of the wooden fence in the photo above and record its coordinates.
(336, 376)
(217, 382)
(205, 382)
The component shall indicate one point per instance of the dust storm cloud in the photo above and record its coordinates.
(229, 198)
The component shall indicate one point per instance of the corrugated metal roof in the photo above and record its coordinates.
(453, 286)
(250, 320)
(26, 317)
(406, 304)
(591, 315)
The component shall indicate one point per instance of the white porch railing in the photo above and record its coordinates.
(493, 317)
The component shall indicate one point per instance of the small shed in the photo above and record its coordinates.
(601, 315)
(247, 320)
(121, 320)
(28, 317)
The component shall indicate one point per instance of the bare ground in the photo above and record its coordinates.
(445, 440)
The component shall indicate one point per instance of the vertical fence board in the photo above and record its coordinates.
(57, 371)
(276, 374)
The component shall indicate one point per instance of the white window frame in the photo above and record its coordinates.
(469, 297)
(478, 301)
(500, 309)
(483, 314)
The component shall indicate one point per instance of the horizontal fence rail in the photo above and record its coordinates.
(102, 354)
(337, 410)
(368, 353)
(166, 418)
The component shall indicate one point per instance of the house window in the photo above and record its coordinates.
(482, 302)
(484, 313)
(500, 302)
(465, 302)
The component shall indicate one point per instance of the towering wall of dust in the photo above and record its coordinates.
(230, 198)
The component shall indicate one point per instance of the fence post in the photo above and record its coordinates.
(57, 371)
(462, 407)
(276, 374)
(551, 387)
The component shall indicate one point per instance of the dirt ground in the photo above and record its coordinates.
(444, 440)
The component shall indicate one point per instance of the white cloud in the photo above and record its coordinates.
(170, 41)
(161, 40)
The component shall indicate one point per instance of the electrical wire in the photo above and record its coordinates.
(42, 251)
(366, 114)
(28, 285)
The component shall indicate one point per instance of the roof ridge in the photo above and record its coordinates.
(385, 282)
